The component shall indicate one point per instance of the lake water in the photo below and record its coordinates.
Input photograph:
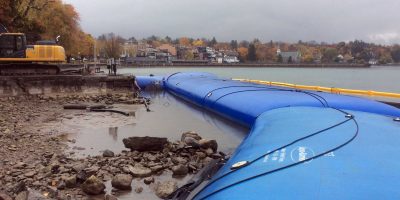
(385, 79)
(169, 117)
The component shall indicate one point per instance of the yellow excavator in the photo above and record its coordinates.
(18, 58)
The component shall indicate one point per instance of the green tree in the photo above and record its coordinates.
(329, 54)
(252, 56)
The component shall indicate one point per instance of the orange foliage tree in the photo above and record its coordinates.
(46, 19)
(243, 51)
(184, 41)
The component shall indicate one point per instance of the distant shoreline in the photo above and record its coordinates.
(249, 65)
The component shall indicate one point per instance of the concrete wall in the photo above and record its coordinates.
(44, 85)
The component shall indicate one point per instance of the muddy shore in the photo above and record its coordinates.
(40, 161)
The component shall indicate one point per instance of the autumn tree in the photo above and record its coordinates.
(198, 43)
(242, 51)
(184, 41)
(45, 19)
(17, 14)
(111, 45)
(308, 58)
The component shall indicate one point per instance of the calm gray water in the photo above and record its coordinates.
(385, 79)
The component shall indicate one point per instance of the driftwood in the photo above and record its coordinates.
(83, 106)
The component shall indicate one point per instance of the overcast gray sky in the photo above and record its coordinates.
(280, 20)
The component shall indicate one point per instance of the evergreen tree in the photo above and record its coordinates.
(213, 42)
(252, 56)
(271, 44)
(395, 53)
(280, 59)
(234, 44)
(290, 59)
(168, 39)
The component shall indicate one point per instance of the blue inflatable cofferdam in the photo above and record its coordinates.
(244, 102)
(302, 144)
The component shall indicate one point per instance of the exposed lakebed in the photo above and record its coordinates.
(169, 117)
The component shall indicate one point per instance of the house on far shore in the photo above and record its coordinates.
(289, 56)
(168, 48)
(373, 61)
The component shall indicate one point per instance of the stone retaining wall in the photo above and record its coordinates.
(49, 85)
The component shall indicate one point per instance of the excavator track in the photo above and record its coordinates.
(27, 69)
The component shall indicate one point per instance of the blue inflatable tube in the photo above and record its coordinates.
(302, 144)
(145, 81)
(244, 102)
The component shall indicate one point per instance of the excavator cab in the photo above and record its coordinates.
(12, 45)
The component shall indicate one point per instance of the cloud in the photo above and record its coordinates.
(283, 20)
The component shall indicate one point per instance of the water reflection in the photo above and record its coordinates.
(170, 117)
(113, 132)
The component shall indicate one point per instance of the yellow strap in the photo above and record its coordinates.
(324, 89)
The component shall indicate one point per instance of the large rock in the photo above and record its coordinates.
(205, 144)
(91, 170)
(180, 170)
(93, 186)
(164, 189)
(79, 167)
(30, 174)
(70, 182)
(108, 153)
(191, 134)
(148, 180)
(191, 142)
(122, 182)
(145, 143)
(139, 171)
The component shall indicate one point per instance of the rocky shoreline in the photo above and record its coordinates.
(35, 163)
